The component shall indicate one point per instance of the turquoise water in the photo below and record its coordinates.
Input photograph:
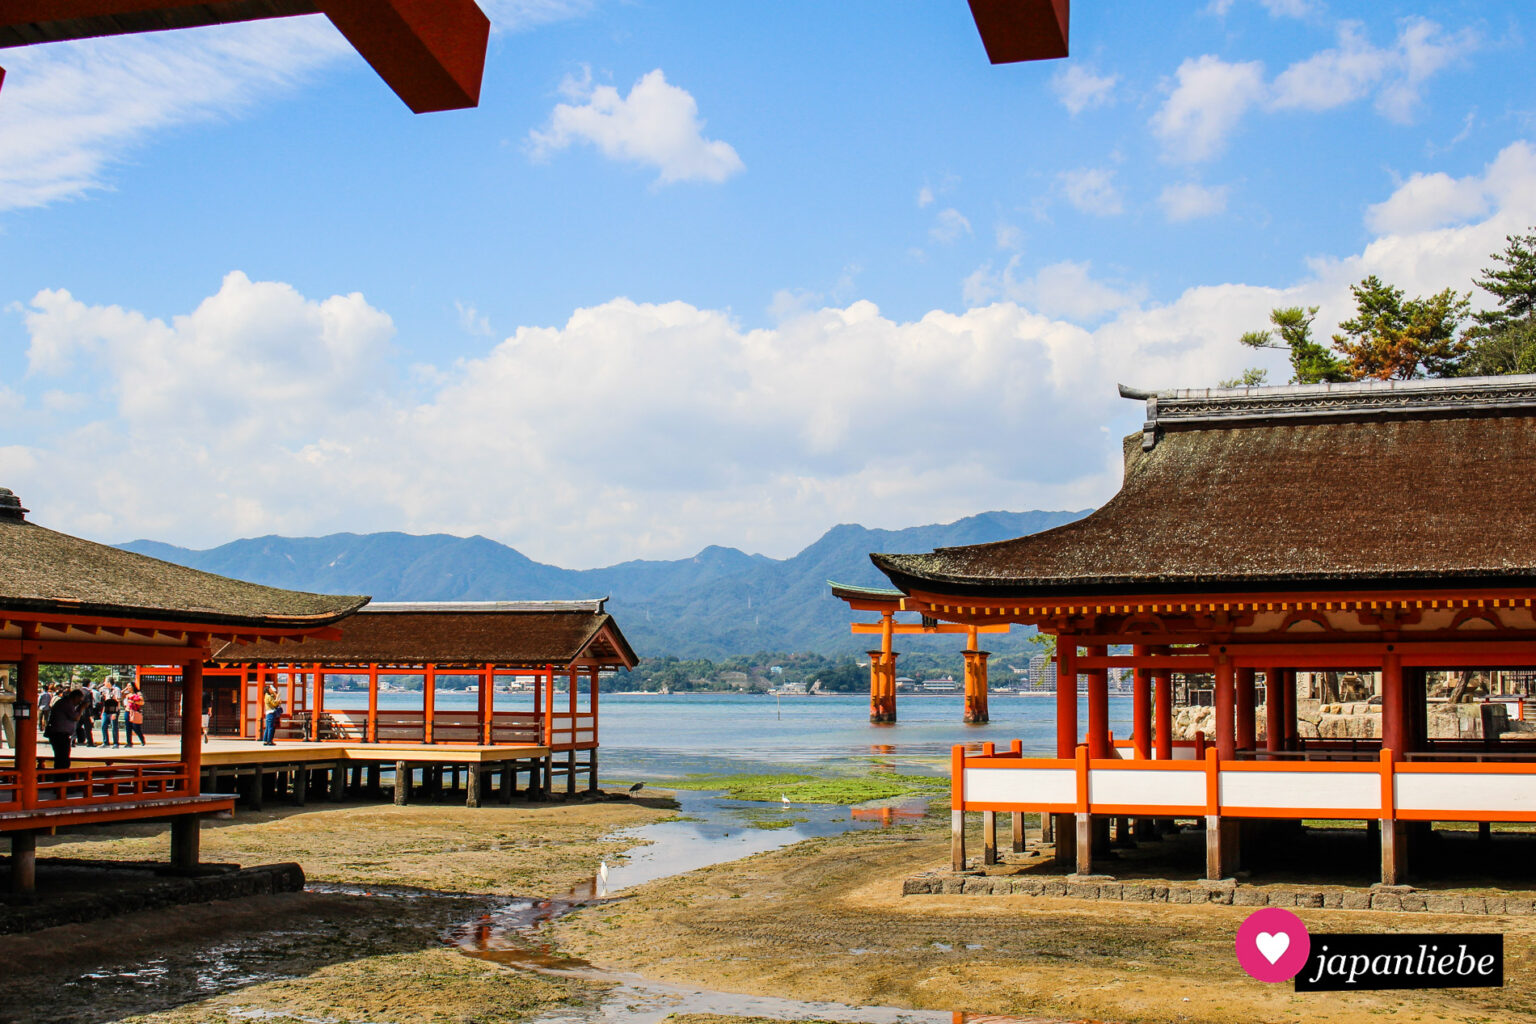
(646, 736)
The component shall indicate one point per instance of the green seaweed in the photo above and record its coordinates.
(816, 789)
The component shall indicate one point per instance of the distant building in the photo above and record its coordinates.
(1042, 673)
(944, 684)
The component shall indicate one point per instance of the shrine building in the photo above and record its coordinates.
(1384, 527)
(64, 600)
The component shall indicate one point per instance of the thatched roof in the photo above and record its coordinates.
(45, 571)
(1325, 486)
(507, 633)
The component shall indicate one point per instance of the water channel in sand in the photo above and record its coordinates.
(513, 934)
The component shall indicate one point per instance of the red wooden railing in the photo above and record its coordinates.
(407, 726)
(87, 785)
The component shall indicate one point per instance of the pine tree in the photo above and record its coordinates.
(1504, 339)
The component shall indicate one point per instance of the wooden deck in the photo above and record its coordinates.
(297, 770)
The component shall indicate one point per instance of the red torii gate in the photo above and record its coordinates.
(432, 52)
(882, 663)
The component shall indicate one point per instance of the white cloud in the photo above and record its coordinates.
(656, 125)
(1067, 290)
(1079, 89)
(72, 110)
(1008, 236)
(1189, 200)
(949, 226)
(1428, 201)
(1276, 8)
(264, 410)
(1356, 69)
(1091, 190)
(924, 197)
(1210, 98)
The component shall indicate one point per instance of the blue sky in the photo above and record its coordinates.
(697, 274)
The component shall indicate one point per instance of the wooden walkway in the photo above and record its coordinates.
(298, 770)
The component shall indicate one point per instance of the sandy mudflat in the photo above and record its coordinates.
(825, 920)
(330, 955)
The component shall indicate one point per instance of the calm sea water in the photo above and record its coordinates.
(648, 736)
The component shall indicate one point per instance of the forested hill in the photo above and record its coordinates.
(719, 603)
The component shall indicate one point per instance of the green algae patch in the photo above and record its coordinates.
(816, 789)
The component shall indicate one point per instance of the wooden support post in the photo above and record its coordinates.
(570, 772)
(301, 785)
(1394, 852)
(1018, 831)
(257, 783)
(1084, 829)
(1048, 827)
(546, 777)
(472, 786)
(338, 782)
(549, 708)
(402, 784)
(508, 780)
(592, 770)
(185, 837)
(1141, 706)
(989, 837)
(373, 703)
(1213, 853)
(24, 849)
(597, 676)
(375, 773)
(1245, 708)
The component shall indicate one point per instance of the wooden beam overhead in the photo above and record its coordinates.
(1020, 30)
(430, 52)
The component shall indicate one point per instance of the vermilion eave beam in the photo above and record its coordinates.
(1018, 30)
(430, 52)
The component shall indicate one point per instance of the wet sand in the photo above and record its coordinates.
(364, 947)
(825, 920)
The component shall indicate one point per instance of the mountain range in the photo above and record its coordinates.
(719, 603)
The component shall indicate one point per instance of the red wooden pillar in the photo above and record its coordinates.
(428, 702)
(549, 705)
(373, 702)
(1066, 696)
(1163, 680)
(1288, 684)
(1098, 705)
(592, 700)
(1274, 708)
(26, 731)
(485, 703)
(319, 708)
(192, 716)
(1226, 740)
(1141, 705)
(1245, 705)
(293, 708)
(1393, 705)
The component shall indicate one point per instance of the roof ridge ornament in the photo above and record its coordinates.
(1364, 398)
(10, 506)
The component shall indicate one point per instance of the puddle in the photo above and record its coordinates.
(713, 830)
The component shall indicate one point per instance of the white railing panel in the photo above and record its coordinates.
(1466, 791)
(1301, 789)
(1149, 786)
(1021, 785)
